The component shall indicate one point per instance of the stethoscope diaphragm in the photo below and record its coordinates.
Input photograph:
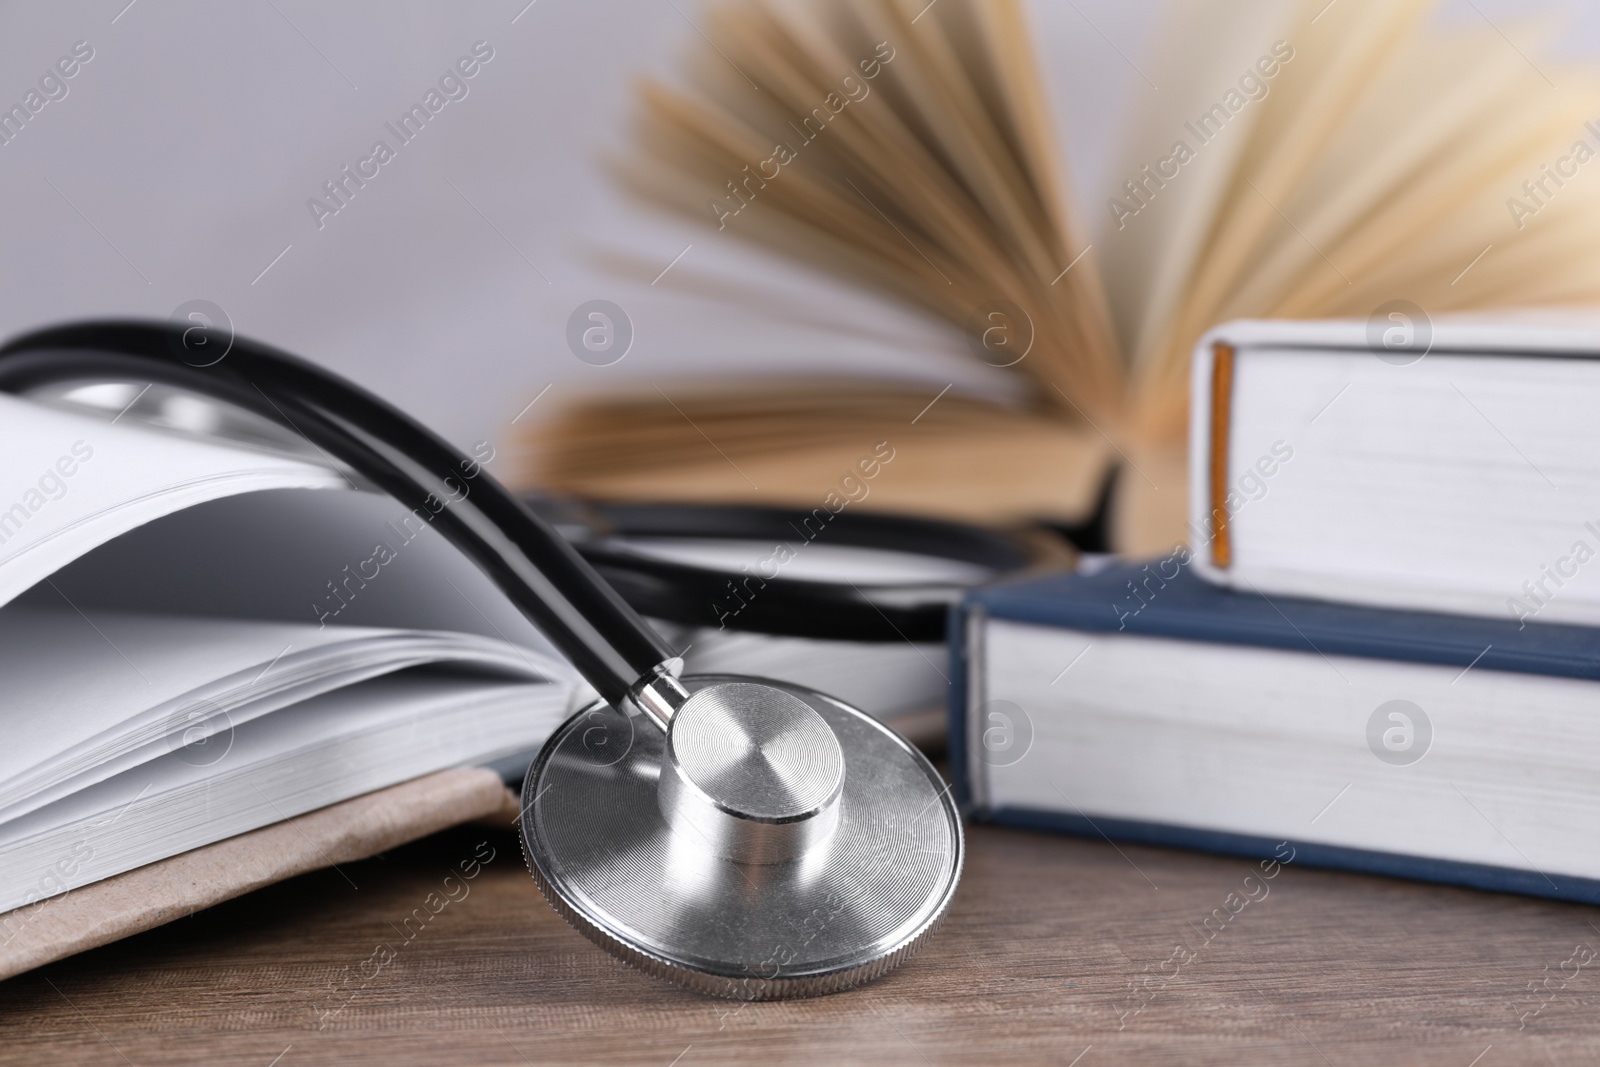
(822, 891)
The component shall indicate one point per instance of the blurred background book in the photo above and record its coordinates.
(1303, 161)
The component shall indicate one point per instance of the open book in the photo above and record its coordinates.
(1289, 160)
(198, 639)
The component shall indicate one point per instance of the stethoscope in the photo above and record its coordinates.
(738, 836)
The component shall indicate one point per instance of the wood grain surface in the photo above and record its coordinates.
(1058, 950)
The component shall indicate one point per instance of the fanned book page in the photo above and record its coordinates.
(315, 753)
(71, 482)
(88, 698)
(1298, 160)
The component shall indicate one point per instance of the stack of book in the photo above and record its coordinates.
(1379, 644)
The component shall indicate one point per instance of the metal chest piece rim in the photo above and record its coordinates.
(772, 843)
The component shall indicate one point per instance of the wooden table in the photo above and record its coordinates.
(1036, 964)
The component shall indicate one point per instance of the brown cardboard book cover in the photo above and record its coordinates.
(158, 893)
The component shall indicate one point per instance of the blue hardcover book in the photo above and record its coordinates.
(1143, 704)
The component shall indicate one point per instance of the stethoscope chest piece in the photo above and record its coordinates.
(772, 842)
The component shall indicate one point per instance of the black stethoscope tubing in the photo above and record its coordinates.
(606, 534)
(543, 575)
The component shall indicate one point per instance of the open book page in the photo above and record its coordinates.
(324, 750)
(71, 482)
(1414, 188)
(297, 556)
(897, 156)
(947, 455)
(88, 698)
(911, 152)
(1179, 159)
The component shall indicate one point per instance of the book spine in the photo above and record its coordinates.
(1222, 359)
(966, 674)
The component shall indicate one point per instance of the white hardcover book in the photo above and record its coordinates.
(1397, 462)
